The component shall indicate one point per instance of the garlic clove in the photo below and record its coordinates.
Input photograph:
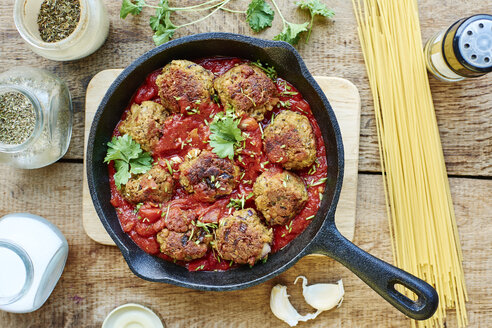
(322, 297)
(283, 309)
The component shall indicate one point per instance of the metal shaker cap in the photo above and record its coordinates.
(467, 46)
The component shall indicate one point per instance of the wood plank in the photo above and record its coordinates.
(463, 109)
(345, 100)
(96, 278)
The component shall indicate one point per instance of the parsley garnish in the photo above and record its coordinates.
(269, 70)
(225, 134)
(315, 8)
(259, 15)
(128, 157)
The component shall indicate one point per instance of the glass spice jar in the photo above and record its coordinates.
(462, 51)
(89, 34)
(48, 137)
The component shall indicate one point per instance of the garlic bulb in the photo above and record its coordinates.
(322, 297)
(283, 309)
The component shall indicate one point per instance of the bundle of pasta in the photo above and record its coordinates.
(423, 229)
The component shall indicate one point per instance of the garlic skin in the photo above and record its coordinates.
(283, 309)
(322, 297)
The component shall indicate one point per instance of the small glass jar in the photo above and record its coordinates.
(462, 51)
(88, 36)
(33, 253)
(52, 105)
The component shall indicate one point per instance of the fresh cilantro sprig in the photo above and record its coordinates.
(269, 70)
(315, 8)
(128, 157)
(161, 23)
(225, 134)
(259, 15)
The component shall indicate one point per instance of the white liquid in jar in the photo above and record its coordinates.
(46, 250)
(12, 273)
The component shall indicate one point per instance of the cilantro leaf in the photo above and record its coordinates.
(225, 134)
(259, 15)
(141, 164)
(122, 174)
(291, 32)
(128, 158)
(131, 7)
(163, 34)
(315, 8)
(269, 70)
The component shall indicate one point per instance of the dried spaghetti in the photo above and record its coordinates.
(422, 222)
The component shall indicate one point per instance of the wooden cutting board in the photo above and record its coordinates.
(345, 100)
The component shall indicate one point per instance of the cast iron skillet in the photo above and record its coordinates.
(320, 237)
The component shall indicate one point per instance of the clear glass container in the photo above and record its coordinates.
(464, 50)
(88, 36)
(52, 106)
(33, 253)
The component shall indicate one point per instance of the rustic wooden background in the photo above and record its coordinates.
(96, 278)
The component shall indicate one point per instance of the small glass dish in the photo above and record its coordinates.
(88, 36)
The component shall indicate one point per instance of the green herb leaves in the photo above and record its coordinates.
(259, 15)
(225, 134)
(291, 32)
(131, 7)
(128, 159)
(269, 70)
(315, 8)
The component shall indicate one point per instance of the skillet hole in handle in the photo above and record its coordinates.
(418, 302)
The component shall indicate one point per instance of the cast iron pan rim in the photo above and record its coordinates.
(328, 221)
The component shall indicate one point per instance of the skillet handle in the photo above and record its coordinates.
(379, 275)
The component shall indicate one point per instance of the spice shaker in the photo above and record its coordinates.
(35, 118)
(33, 253)
(62, 29)
(462, 51)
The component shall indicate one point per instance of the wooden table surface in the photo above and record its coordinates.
(96, 278)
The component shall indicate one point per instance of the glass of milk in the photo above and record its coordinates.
(33, 253)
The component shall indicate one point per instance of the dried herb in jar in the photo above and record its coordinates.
(17, 118)
(58, 19)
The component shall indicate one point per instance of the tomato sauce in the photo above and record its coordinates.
(183, 132)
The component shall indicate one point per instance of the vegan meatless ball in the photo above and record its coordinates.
(186, 246)
(279, 196)
(290, 141)
(156, 185)
(248, 90)
(242, 238)
(184, 85)
(179, 220)
(143, 123)
(207, 175)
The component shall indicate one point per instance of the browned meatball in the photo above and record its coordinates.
(180, 220)
(143, 123)
(242, 237)
(184, 85)
(186, 246)
(289, 140)
(156, 185)
(248, 90)
(279, 196)
(207, 175)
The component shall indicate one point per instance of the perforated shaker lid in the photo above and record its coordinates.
(467, 46)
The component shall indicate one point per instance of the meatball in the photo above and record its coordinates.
(179, 220)
(143, 123)
(279, 196)
(289, 140)
(156, 185)
(207, 175)
(184, 246)
(184, 85)
(242, 237)
(248, 90)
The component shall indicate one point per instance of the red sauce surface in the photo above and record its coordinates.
(182, 133)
